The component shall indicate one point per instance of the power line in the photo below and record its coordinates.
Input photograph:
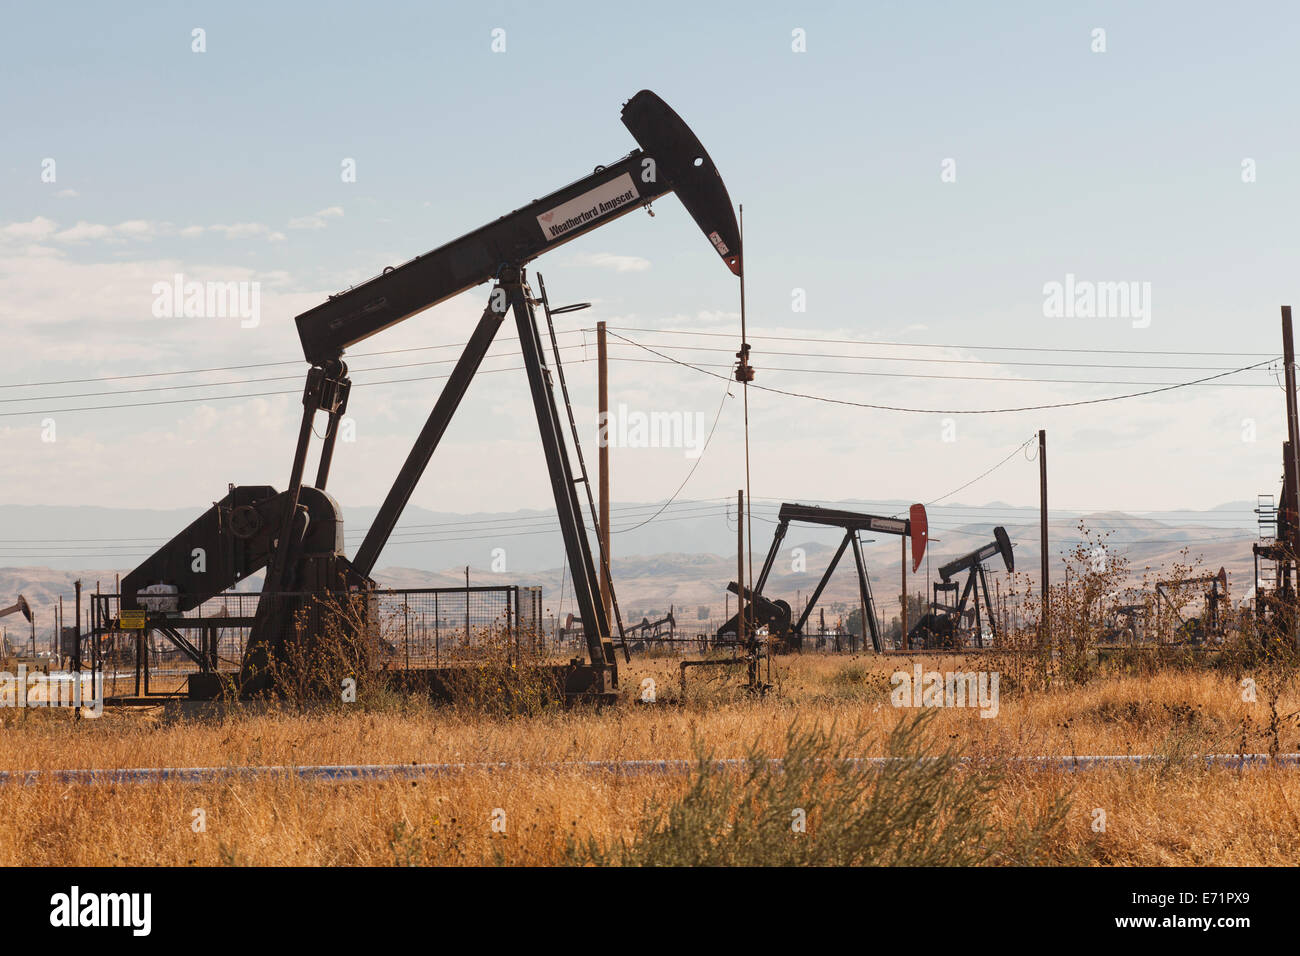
(805, 339)
(1029, 511)
(702, 367)
(245, 381)
(948, 378)
(1023, 445)
(236, 368)
(219, 398)
(954, 411)
(663, 359)
(1001, 507)
(132, 551)
(127, 551)
(726, 393)
(703, 507)
(946, 361)
(932, 345)
(625, 511)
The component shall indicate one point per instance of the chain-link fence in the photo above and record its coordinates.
(437, 625)
(411, 628)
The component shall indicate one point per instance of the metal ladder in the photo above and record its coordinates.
(582, 469)
(1266, 509)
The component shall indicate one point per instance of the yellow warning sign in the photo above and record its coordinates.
(131, 620)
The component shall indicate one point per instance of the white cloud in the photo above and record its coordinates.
(130, 229)
(317, 220)
(135, 228)
(248, 230)
(35, 251)
(84, 231)
(607, 260)
(38, 228)
(42, 228)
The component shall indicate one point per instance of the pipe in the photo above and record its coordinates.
(350, 772)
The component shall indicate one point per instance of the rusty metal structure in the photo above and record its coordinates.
(776, 615)
(1209, 625)
(20, 607)
(296, 535)
(413, 629)
(650, 634)
(1277, 553)
(949, 622)
(1128, 623)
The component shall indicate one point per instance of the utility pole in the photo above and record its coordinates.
(902, 640)
(602, 406)
(77, 627)
(1293, 453)
(741, 633)
(744, 374)
(1044, 624)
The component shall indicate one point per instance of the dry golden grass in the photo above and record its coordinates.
(1177, 813)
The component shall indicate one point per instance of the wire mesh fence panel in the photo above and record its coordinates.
(404, 628)
(435, 626)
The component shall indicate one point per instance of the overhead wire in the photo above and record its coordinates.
(952, 411)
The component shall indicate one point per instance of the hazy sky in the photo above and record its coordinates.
(920, 172)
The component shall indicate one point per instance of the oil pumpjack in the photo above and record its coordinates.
(297, 534)
(939, 627)
(777, 615)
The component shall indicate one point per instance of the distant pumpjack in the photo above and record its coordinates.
(1196, 630)
(20, 607)
(941, 625)
(776, 615)
(641, 637)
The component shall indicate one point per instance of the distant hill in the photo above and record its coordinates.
(684, 563)
(69, 537)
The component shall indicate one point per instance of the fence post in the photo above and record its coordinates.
(512, 634)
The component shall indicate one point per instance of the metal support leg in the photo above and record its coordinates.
(267, 621)
(864, 590)
(326, 390)
(961, 605)
(988, 605)
(577, 547)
